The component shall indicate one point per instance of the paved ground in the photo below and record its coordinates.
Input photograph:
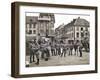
(58, 61)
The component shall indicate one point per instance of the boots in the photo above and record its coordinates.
(37, 62)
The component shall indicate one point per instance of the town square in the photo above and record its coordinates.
(52, 41)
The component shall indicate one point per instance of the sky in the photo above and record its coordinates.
(63, 18)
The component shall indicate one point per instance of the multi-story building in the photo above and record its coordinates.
(59, 31)
(77, 29)
(46, 24)
(41, 25)
(31, 27)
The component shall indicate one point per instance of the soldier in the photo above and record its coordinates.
(56, 48)
(59, 49)
(80, 49)
(31, 52)
(67, 49)
(53, 49)
(76, 48)
(34, 52)
(70, 49)
(63, 51)
(45, 52)
(42, 51)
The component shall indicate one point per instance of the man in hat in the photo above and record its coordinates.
(34, 51)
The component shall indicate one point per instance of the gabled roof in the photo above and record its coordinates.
(60, 26)
(78, 22)
(81, 22)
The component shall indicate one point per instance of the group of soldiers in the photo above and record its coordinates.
(47, 49)
(62, 49)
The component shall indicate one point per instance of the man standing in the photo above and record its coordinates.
(70, 49)
(80, 49)
(63, 50)
(31, 52)
(34, 51)
(59, 49)
(53, 49)
(76, 48)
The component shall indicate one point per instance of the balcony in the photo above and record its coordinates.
(44, 19)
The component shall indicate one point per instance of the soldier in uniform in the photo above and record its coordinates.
(76, 48)
(56, 49)
(80, 49)
(59, 49)
(34, 52)
(70, 49)
(53, 49)
(42, 50)
(31, 52)
(45, 51)
(63, 51)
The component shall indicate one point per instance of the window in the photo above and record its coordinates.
(86, 34)
(30, 32)
(47, 31)
(34, 25)
(26, 31)
(34, 31)
(86, 29)
(72, 34)
(31, 20)
(81, 29)
(82, 35)
(31, 23)
(27, 26)
(77, 34)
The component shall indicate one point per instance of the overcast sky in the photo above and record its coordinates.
(63, 18)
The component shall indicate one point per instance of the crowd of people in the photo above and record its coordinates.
(46, 49)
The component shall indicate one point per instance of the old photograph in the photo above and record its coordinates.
(54, 39)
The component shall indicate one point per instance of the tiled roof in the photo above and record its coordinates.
(60, 26)
(78, 22)
(81, 22)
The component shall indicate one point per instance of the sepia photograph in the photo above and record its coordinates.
(55, 39)
(52, 39)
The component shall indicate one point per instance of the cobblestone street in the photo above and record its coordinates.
(58, 61)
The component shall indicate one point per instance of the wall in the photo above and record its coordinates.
(5, 40)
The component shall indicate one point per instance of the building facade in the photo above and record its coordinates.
(31, 27)
(77, 29)
(41, 25)
(46, 24)
(59, 31)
